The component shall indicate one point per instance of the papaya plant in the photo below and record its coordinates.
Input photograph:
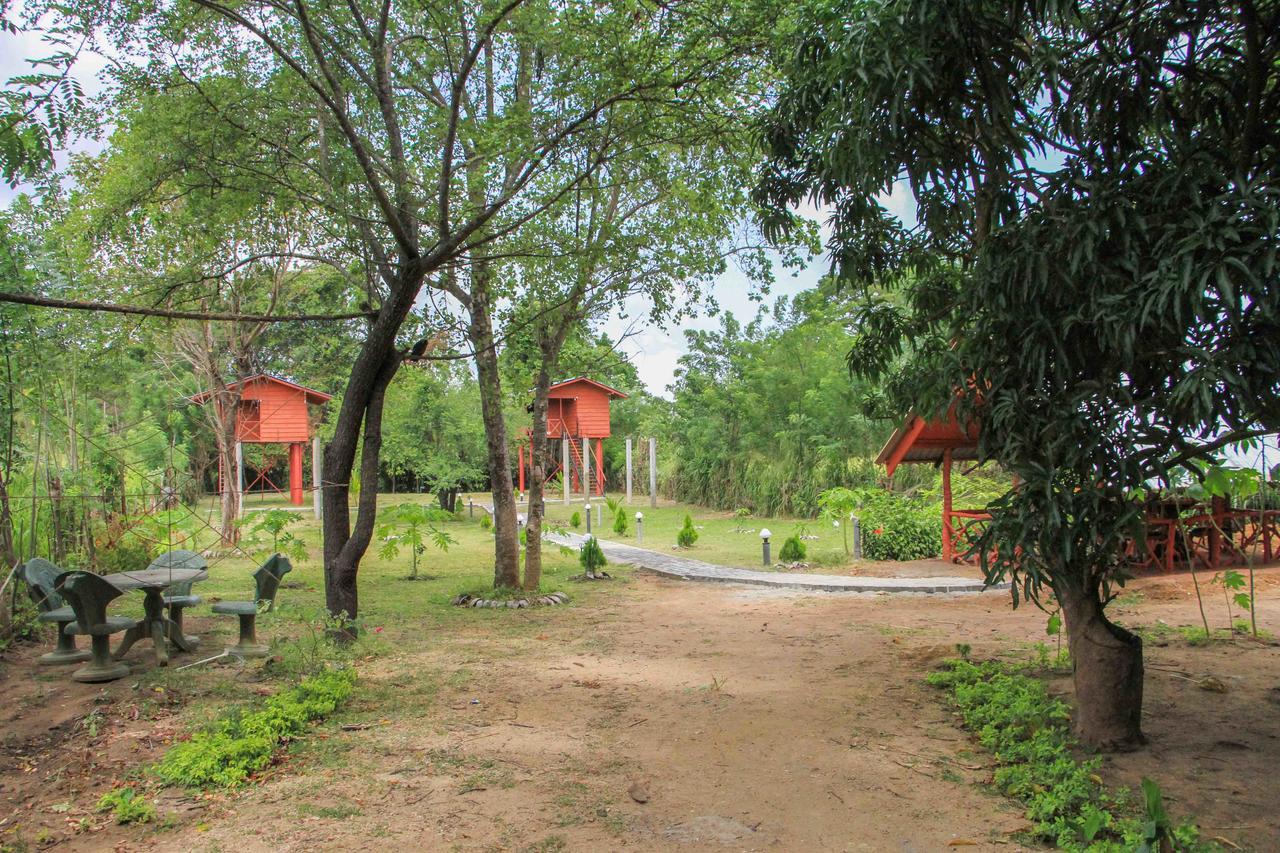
(412, 526)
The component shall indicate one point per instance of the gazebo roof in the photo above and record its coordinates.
(920, 440)
(313, 396)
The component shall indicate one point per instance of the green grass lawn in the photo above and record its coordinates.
(399, 606)
(723, 538)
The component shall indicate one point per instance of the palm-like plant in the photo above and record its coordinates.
(413, 526)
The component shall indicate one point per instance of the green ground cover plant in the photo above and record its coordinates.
(1027, 731)
(127, 806)
(226, 753)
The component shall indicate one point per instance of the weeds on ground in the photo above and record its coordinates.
(127, 806)
(229, 751)
(1027, 730)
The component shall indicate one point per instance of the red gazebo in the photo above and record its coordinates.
(273, 411)
(1178, 529)
(940, 442)
(577, 414)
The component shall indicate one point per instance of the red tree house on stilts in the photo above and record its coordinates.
(577, 410)
(273, 411)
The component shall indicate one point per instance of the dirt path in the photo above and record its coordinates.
(744, 719)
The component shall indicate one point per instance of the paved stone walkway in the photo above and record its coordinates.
(695, 570)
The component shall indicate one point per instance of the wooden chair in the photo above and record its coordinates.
(267, 582)
(179, 595)
(41, 577)
(89, 596)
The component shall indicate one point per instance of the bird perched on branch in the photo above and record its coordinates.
(426, 346)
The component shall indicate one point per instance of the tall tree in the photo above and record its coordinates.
(1093, 268)
(648, 230)
(418, 131)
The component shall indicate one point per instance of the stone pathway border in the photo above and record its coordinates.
(685, 568)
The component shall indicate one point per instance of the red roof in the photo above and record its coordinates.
(918, 440)
(313, 396)
(612, 392)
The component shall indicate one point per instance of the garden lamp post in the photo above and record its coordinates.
(471, 508)
(857, 536)
(639, 528)
(764, 542)
(588, 509)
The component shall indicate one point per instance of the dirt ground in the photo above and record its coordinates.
(668, 715)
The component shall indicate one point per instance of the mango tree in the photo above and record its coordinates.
(1091, 271)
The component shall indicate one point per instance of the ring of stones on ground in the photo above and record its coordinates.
(468, 600)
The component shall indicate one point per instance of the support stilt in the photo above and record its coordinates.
(653, 472)
(316, 464)
(628, 470)
(295, 473)
(948, 537)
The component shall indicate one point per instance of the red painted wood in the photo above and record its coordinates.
(295, 474)
(948, 537)
(580, 408)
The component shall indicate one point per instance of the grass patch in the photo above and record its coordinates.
(229, 751)
(1026, 730)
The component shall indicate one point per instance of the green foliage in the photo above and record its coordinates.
(621, 523)
(765, 416)
(575, 520)
(127, 806)
(793, 550)
(229, 751)
(273, 523)
(591, 556)
(419, 528)
(1026, 729)
(899, 528)
(486, 522)
(127, 554)
(687, 535)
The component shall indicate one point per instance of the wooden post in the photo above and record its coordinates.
(653, 472)
(586, 468)
(948, 544)
(317, 496)
(295, 473)
(628, 470)
(600, 464)
(566, 467)
(239, 478)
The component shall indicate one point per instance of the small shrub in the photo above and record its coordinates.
(127, 806)
(485, 521)
(125, 555)
(620, 525)
(793, 550)
(591, 556)
(229, 751)
(687, 535)
(575, 520)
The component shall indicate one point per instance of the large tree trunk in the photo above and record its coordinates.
(362, 404)
(1107, 665)
(506, 565)
(537, 478)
